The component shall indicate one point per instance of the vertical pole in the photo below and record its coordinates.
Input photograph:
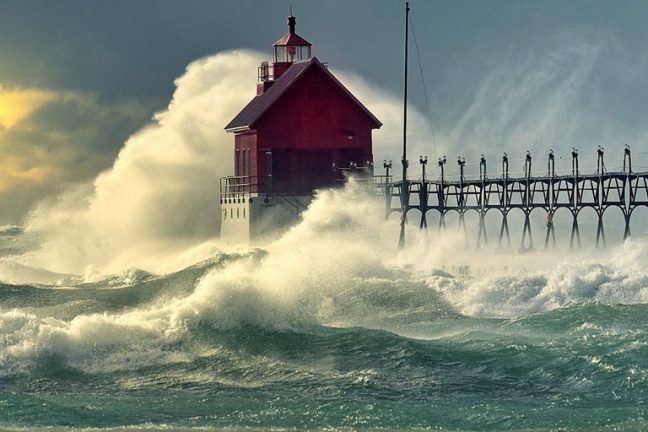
(626, 232)
(504, 229)
(423, 194)
(482, 167)
(550, 197)
(575, 233)
(600, 168)
(404, 187)
(462, 201)
(627, 155)
(482, 202)
(527, 203)
(600, 231)
(441, 193)
(627, 210)
(423, 162)
(268, 175)
(388, 193)
(504, 203)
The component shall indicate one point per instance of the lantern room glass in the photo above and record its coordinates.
(291, 53)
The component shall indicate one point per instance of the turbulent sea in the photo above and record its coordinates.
(328, 328)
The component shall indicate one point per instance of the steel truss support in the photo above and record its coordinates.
(575, 192)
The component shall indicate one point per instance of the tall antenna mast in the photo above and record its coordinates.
(404, 187)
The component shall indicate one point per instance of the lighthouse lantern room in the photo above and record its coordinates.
(289, 49)
(292, 138)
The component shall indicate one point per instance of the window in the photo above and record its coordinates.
(291, 53)
(246, 162)
(237, 163)
(281, 54)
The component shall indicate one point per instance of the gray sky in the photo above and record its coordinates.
(78, 78)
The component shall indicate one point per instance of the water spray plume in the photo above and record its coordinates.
(160, 196)
(160, 199)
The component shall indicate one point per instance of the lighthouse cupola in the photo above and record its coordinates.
(287, 50)
(291, 47)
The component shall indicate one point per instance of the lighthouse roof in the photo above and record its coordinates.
(292, 39)
(258, 106)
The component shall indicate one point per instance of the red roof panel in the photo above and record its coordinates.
(260, 104)
(292, 39)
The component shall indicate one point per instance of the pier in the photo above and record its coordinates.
(504, 194)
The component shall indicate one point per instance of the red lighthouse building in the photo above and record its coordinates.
(292, 138)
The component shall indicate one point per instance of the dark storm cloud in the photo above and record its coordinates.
(136, 48)
(112, 65)
(119, 48)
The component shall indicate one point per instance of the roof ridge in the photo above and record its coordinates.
(260, 104)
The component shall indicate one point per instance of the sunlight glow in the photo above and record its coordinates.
(16, 104)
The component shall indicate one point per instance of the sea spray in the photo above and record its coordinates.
(331, 269)
(344, 241)
(355, 334)
(160, 197)
(510, 285)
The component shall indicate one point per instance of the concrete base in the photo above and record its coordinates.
(256, 219)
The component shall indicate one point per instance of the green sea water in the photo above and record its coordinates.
(213, 347)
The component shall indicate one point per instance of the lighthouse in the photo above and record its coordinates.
(300, 132)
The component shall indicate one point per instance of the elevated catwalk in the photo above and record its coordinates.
(625, 190)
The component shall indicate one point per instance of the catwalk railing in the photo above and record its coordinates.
(574, 191)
